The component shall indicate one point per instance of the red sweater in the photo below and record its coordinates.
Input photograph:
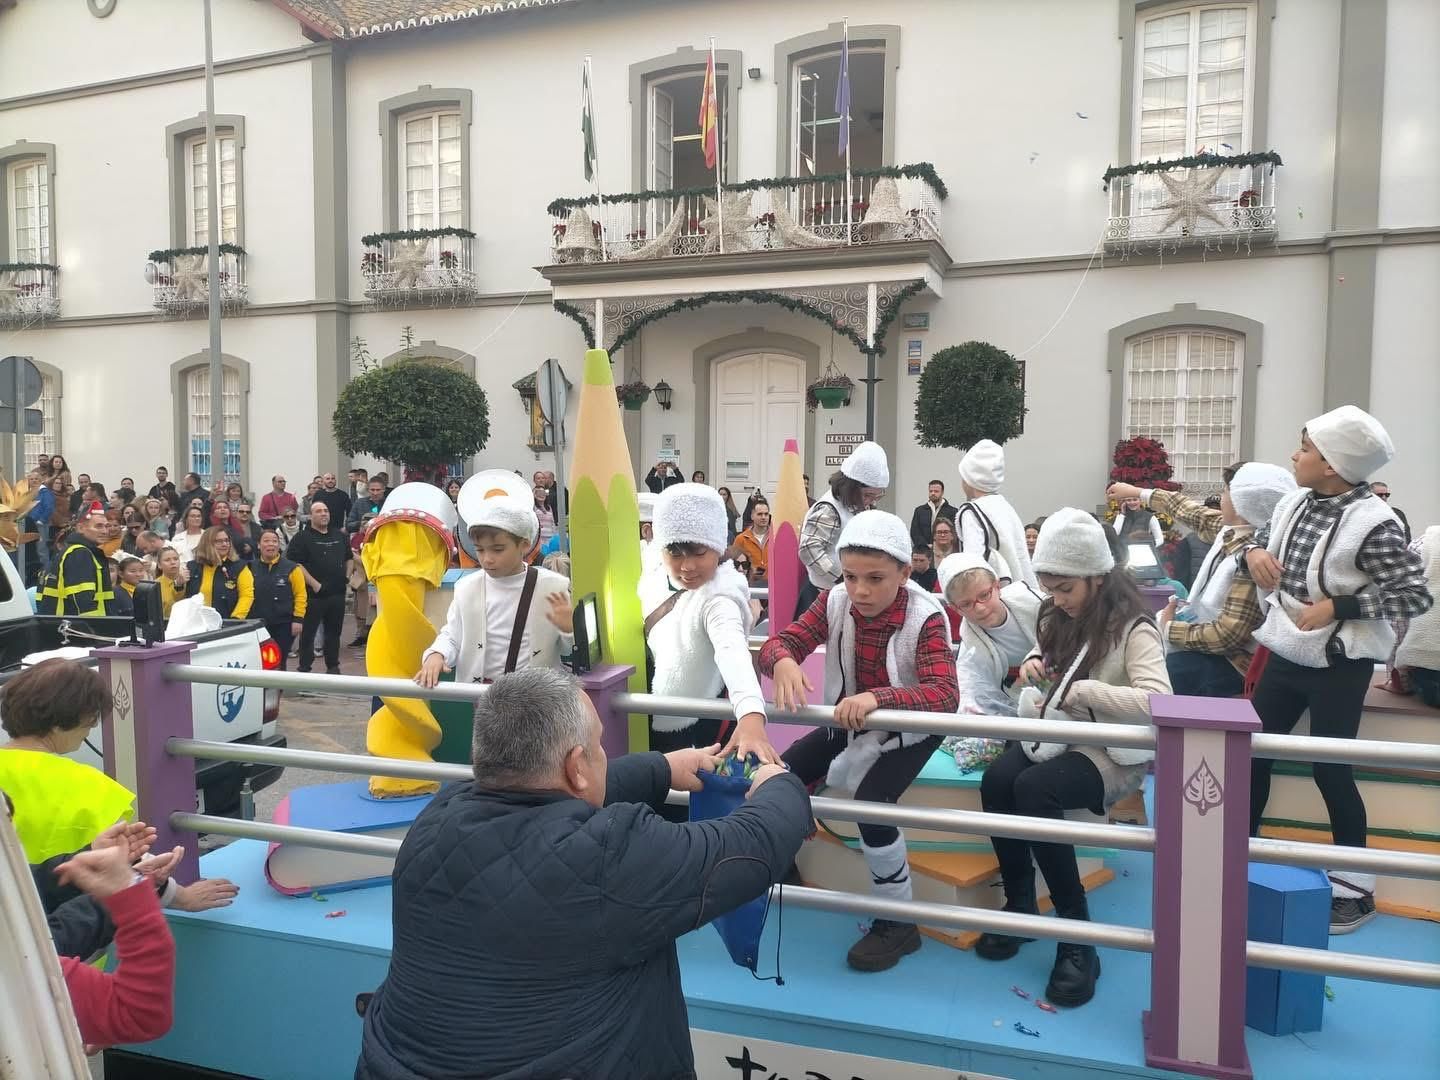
(136, 1003)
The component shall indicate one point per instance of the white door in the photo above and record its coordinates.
(758, 401)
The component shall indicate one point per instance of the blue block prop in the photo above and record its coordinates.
(720, 793)
(1289, 905)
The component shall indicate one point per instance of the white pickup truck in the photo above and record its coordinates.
(222, 713)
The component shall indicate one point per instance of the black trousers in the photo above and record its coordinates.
(1014, 784)
(809, 758)
(284, 638)
(329, 612)
(1335, 697)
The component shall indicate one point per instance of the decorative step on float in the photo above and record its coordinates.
(945, 867)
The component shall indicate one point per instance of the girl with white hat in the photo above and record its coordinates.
(1334, 572)
(697, 625)
(861, 481)
(986, 523)
(1099, 652)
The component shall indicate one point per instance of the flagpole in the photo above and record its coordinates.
(719, 147)
(589, 106)
(849, 197)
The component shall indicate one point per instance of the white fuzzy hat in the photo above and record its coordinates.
(983, 467)
(1072, 544)
(1354, 443)
(878, 530)
(1256, 488)
(691, 514)
(868, 465)
(952, 566)
(645, 501)
(508, 513)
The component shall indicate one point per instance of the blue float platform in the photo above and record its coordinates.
(266, 988)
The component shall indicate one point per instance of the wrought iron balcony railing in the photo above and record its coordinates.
(1206, 205)
(29, 293)
(180, 280)
(433, 266)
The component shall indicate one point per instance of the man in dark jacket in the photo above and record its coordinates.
(322, 552)
(80, 584)
(935, 507)
(536, 909)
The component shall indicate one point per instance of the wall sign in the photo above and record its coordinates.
(736, 1057)
(844, 440)
(916, 320)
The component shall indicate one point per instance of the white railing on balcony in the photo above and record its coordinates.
(29, 293)
(180, 282)
(788, 214)
(1208, 206)
(419, 267)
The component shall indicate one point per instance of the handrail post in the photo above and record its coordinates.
(602, 683)
(1196, 1020)
(146, 710)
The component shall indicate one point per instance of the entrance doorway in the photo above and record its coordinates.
(757, 401)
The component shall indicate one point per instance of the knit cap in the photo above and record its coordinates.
(983, 467)
(1072, 544)
(868, 465)
(1354, 443)
(952, 566)
(880, 531)
(507, 513)
(691, 514)
(1257, 488)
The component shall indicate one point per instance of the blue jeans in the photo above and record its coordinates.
(1197, 674)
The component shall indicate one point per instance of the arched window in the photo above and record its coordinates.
(27, 203)
(190, 391)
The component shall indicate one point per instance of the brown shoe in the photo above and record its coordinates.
(1129, 811)
(883, 945)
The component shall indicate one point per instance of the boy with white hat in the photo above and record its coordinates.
(1334, 571)
(505, 615)
(887, 646)
(863, 478)
(997, 634)
(986, 523)
(1209, 651)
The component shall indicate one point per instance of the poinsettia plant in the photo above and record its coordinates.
(1144, 463)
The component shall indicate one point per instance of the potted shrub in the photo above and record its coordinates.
(967, 393)
(831, 391)
(634, 394)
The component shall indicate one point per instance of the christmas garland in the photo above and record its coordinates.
(374, 239)
(1195, 161)
(923, 171)
(571, 311)
(166, 255)
(29, 266)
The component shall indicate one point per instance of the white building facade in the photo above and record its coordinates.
(1217, 319)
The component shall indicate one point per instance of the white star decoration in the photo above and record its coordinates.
(737, 222)
(409, 259)
(1191, 198)
(190, 276)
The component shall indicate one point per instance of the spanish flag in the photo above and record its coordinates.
(709, 116)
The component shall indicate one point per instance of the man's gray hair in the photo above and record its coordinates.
(525, 725)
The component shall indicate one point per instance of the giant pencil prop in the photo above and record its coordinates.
(605, 528)
(787, 515)
(406, 552)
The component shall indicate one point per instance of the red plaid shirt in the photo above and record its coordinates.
(934, 662)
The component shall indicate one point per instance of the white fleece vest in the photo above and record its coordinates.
(684, 654)
(899, 653)
(981, 658)
(1331, 572)
(819, 580)
(544, 636)
(1421, 645)
(1213, 581)
(1004, 534)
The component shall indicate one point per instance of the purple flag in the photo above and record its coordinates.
(842, 95)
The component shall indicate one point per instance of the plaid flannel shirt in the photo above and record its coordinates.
(938, 689)
(1229, 633)
(818, 537)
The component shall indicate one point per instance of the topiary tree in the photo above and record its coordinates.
(967, 393)
(417, 412)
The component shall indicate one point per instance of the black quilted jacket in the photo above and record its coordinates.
(535, 935)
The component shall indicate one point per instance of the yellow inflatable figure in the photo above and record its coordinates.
(406, 552)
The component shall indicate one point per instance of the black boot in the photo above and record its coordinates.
(1072, 979)
(1019, 897)
(883, 945)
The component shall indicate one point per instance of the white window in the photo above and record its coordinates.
(1196, 76)
(48, 441)
(1182, 388)
(30, 225)
(815, 125)
(197, 391)
(676, 150)
(431, 180)
(197, 191)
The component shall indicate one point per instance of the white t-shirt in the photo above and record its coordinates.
(502, 604)
(1011, 639)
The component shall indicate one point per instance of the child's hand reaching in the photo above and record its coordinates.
(791, 685)
(134, 836)
(430, 669)
(99, 873)
(561, 614)
(1033, 672)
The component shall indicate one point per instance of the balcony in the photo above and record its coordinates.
(29, 293)
(180, 280)
(1192, 203)
(756, 216)
(419, 266)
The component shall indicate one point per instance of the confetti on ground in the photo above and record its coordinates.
(1124, 873)
(1046, 1006)
(335, 914)
(318, 896)
(999, 1023)
(1020, 993)
(1023, 1030)
(1329, 992)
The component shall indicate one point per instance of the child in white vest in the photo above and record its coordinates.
(997, 634)
(697, 626)
(986, 523)
(863, 478)
(1100, 654)
(887, 646)
(504, 616)
(1334, 570)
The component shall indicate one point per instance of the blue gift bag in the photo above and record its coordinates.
(720, 793)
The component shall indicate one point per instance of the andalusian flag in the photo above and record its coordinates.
(709, 116)
(587, 122)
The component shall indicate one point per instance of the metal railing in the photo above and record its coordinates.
(427, 269)
(180, 286)
(29, 294)
(1238, 204)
